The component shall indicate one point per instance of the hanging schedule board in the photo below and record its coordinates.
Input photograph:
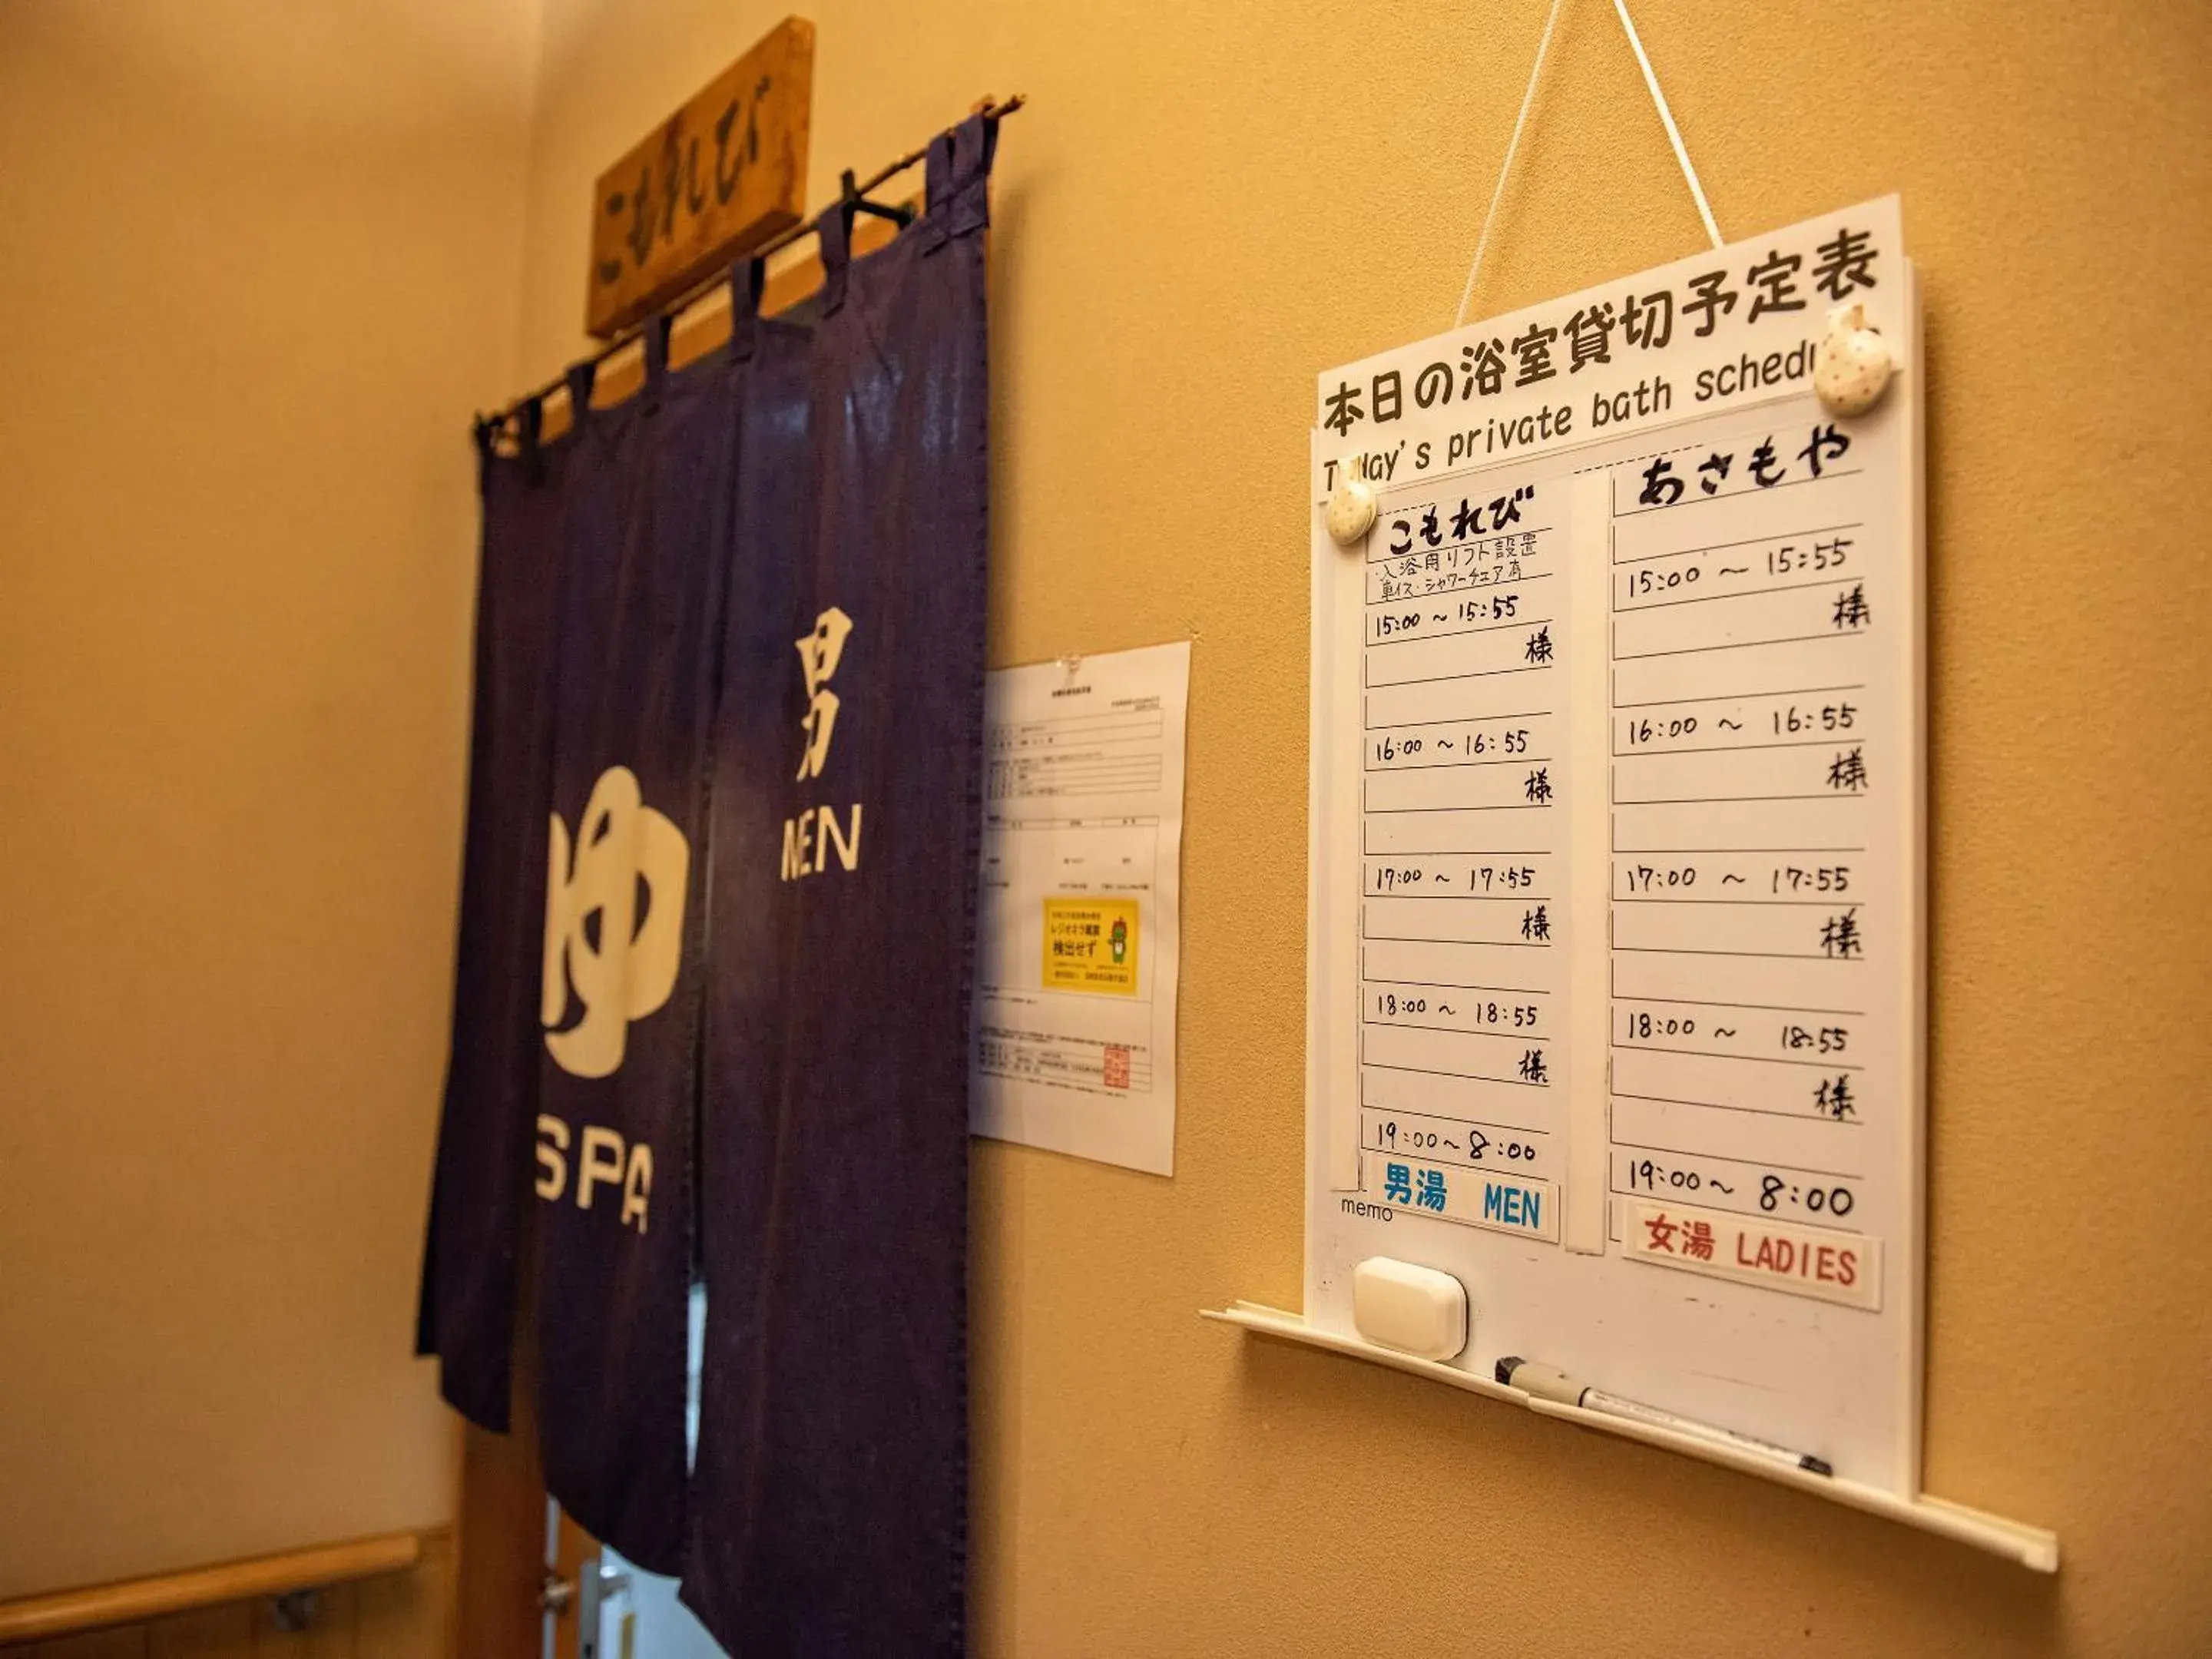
(1617, 919)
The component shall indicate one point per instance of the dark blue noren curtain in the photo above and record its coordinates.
(829, 1499)
(482, 1182)
(646, 522)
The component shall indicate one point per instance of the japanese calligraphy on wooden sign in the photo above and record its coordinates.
(718, 178)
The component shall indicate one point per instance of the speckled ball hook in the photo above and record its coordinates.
(1350, 506)
(1854, 365)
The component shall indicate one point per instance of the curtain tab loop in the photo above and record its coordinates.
(936, 192)
(748, 280)
(974, 145)
(529, 427)
(581, 377)
(835, 228)
(657, 331)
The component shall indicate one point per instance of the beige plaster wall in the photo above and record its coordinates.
(257, 262)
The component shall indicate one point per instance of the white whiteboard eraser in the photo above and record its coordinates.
(1416, 1311)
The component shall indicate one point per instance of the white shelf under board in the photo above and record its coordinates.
(2034, 1547)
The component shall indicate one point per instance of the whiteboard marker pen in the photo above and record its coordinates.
(1549, 1382)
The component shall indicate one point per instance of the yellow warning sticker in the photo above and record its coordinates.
(1090, 944)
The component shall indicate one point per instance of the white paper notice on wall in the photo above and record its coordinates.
(1078, 934)
(1617, 921)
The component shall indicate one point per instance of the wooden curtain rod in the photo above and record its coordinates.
(705, 285)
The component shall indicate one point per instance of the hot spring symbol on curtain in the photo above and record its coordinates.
(614, 935)
(625, 859)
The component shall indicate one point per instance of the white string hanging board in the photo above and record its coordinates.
(1617, 910)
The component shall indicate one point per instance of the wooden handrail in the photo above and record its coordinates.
(63, 1612)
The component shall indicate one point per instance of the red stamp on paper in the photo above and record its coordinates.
(1117, 1066)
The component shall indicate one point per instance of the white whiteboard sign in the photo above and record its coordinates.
(1617, 921)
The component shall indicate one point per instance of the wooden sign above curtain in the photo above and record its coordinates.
(718, 178)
